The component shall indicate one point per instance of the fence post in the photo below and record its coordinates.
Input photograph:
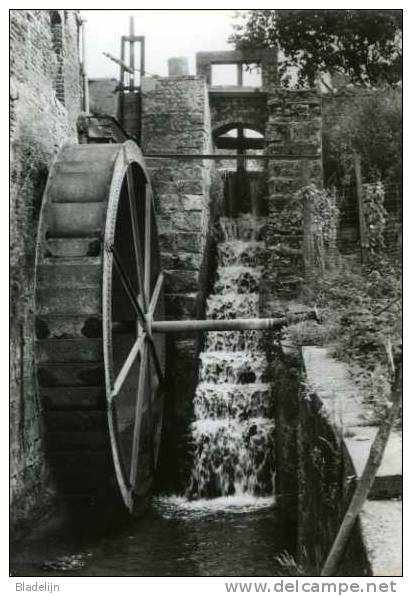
(359, 193)
(308, 240)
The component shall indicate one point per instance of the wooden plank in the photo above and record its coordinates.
(73, 325)
(75, 420)
(74, 220)
(71, 374)
(69, 275)
(73, 398)
(70, 302)
(72, 247)
(69, 350)
(77, 440)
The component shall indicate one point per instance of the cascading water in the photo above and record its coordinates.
(233, 430)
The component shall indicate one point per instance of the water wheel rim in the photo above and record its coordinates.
(129, 161)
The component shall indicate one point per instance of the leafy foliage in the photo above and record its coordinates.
(371, 124)
(362, 44)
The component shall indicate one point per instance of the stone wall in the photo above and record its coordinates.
(336, 429)
(103, 96)
(293, 129)
(250, 109)
(176, 118)
(39, 125)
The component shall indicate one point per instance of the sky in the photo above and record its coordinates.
(168, 33)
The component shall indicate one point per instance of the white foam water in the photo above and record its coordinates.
(233, 431)
(173, 506)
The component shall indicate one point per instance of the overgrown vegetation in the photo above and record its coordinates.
(369, 122)
(364, 45)
(360, 305)
(361, 312)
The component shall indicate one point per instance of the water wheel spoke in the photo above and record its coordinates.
(135, 231)
(157, 431)
(147, 242)
(141, 390)
(127, 285)
(156, 360)
(127, 366)
(150, 415)
(156, 294)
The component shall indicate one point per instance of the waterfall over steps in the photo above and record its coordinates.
(233, 429)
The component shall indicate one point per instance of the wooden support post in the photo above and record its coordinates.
(86, 103)
(240, 74)
(142, 57)
(131, 53)
(308, 240)
(366, 481)
(363, 232)
(122, 71)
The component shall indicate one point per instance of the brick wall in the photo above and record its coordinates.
(39, 125)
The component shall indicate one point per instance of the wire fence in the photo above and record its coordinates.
(349, 231)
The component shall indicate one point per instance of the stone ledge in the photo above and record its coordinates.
(381, 529)
(341, 404)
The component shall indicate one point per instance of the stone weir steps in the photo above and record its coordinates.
(232, 433)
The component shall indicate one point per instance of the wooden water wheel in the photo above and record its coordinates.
(100, 323)
(98, 289)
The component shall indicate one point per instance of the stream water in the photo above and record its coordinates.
(226, 523)
(220, 539)
(233, 429)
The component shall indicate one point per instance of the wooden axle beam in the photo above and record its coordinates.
(217, 156)
(229, 324)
